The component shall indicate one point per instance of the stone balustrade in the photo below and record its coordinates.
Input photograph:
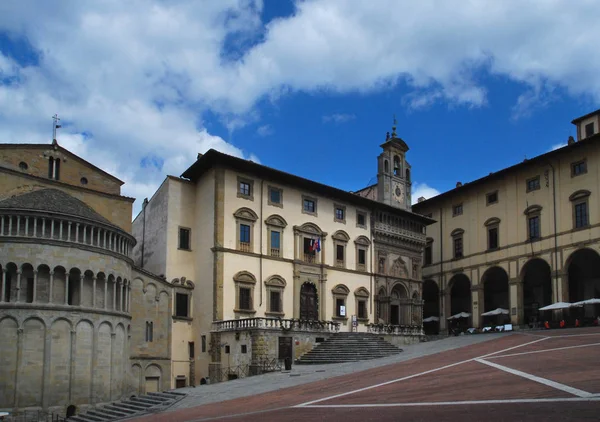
(400, 330)
(260, 323)
(40, 226)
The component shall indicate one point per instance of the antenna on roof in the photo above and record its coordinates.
(55, 126)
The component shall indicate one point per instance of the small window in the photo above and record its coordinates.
(458, 247)
(245, 299)
(339, 214)
(340, 308)
(203, 338)
(578, 168)
(362, 309)
(245, 188)
(428, 254)
(339, 254)
(362, 257)
(589, 129)
(23, 165)
(244, 348)
(83, 181)
(492, 198)
(184, 238)
(361, 219)
(181, 305)
(227, 349)
(275, 241)
(457, 210)
(581, 215)
(381, 265)
(191, 349)
(244, 233)
(309, 205)
(308, 246)
(149, 331)
(493, 238)
(274, 196)
(534, 227)
(275, 301)
(533, 183)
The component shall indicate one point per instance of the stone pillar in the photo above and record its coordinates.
(18, 366)
(18, 298)
(477, 305)
(94, 291)
(517, 314)
(81, 277)
(69, 231)
(51, 228)
(77, 232)
(84, 228)
(50, 292)
(105, 291)
(444, 304)
(35, 283)
(120, 308)
(27, 226)
(3, 285)
(560, 287)
(18, 226)
(35, 227)
(115, 295)
(67, 288)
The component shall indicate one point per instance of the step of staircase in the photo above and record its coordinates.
(134, 406)
(349, 347)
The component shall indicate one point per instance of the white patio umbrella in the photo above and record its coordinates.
(431, 319)
(556, 306)
(460, 315)
(497, 311)
(594, 301)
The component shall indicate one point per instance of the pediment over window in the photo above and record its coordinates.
(457, 232)
(492, 221)
(341, 235)
(310, 228)
(532, 208)
(362, 240)
(183, 282)
(275, 281)
(340, 289)
(361, 292)
(246, 214)
(276, 220)
(580, 194)
(244, 277)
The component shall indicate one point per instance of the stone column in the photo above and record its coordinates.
(27, 226)
(444, 304)
(477, 305)
(35, 227)
(77, 232)
(81, 277)
(3, 285)
(105, 291)
(69, 231)
(120, 308)
(18, 366)
(560, 287)
(67, 288)
(18, 298)
(35, 283)
(84, 228)
(115, 295)
(51, 228)
(517, 315)
(50, 293)
(94, 291)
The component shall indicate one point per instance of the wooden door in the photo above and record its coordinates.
(308, 302)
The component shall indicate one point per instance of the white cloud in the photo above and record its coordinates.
(138, 75)
(338, 118)
(265, 130)
(557, 146)
(422, 189)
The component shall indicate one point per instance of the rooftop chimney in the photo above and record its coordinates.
(421, 198)
(199, 156)
(458, 184)
(571, 140)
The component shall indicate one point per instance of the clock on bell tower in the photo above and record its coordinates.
(393, 172)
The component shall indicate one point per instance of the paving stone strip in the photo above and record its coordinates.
(303, 374)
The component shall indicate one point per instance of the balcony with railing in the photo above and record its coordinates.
(311, 258)
(33, 226)
(260, 323)
(245, 247)
(275, 252)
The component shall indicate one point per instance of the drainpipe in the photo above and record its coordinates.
(261, 242)
(143, 228)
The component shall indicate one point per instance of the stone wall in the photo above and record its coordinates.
(53, 358)
(399, 340)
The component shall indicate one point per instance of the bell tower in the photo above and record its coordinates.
(393, 172)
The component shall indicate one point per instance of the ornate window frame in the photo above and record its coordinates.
(364, 214)
(340, 238)
(580, 197)
(458, 234)
(183, 286)
(275, 223)
(189, 230)
(490, 224)
(531, 212)
(250, 182)
(489, 196)
(309, 231)
(275, 204)
(245, 216)
(337, 207)
(340, 291)
(576, 163)
(361, 295)
(362, 243)
(244, 279)
(278, 284)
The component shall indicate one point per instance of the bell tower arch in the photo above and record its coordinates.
(393, 172)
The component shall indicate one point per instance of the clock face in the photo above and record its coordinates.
(399, 192)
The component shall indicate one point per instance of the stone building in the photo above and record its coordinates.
(280, 262)
(80, 325)
(520, 238)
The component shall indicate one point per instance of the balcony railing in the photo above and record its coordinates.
(33, 226)
(399, 330)
(310, 258)
(275, 252)
(245, 247)
(260, 323)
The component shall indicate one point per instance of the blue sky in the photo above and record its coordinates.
(309, 87)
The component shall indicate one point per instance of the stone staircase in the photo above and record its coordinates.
(134, 406)
(349, 347)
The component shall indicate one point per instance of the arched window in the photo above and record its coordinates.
(386, 166)
(407, 175)
(396, 166)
